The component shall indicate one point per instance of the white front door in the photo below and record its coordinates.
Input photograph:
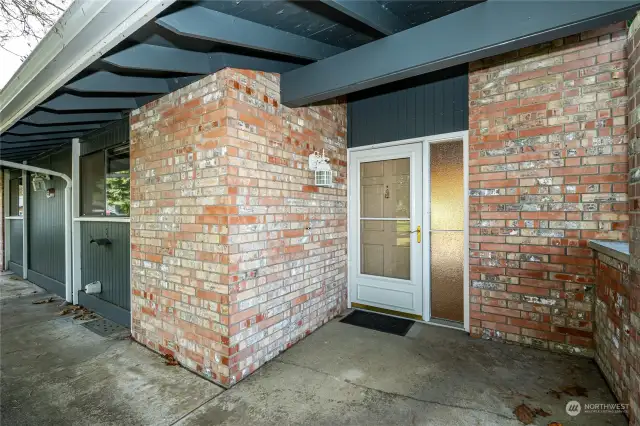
(386, 230)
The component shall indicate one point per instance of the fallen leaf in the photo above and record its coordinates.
(540, 412)
(524, 414)
(40, 302)
(82, 313)
(574, 390)
(554, 393)
(170, 360)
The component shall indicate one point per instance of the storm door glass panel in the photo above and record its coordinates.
(385, 219)
(447, 230)
(92, 184)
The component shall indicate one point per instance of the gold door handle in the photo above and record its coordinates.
(419, 233)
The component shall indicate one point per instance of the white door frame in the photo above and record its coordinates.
(413, 285)
(351, 192)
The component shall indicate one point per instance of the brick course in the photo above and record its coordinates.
(617, 329)
(548, 171)
(236, 254)
(632, 298)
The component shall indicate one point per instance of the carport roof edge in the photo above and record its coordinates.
(86, 30)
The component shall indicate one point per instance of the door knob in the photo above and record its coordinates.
(419, 233)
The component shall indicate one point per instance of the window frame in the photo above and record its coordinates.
(105, 168)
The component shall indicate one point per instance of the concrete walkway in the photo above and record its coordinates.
(54, 371)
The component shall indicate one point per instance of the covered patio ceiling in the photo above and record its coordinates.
(322, 49)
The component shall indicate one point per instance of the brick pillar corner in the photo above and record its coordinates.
(633, 132)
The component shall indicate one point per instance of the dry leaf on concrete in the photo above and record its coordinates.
(524, 414)
(540, 412)
(170, 360)
(574, 390)
(554, 393)
(40, 302)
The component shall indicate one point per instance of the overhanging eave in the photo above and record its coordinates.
(480, 31)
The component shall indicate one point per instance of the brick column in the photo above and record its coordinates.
(548, 172)
(632, 357)
(235, 253)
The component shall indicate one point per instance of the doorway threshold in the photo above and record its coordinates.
(446, 323)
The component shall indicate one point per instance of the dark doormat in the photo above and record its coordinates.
(378, 322)
(105, 327)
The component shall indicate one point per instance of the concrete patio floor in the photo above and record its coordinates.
(54, 371)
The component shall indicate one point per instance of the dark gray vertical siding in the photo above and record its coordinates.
(426, 105)
(112, 134)
(107, 264)
(45, 218)
(15, 235)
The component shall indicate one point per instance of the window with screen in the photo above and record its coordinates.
(105, 189)
(117, 180)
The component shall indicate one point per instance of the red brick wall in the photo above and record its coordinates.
(617, 332)
(178, 269)
(633, 354)
(236, 255)
(287, 241)
(548, 171)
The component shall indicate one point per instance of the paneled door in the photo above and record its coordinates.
(385, 229)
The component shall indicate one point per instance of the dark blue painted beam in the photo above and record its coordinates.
(33, 149)
(46, 117)
(477, 32)
(6, 154)
(68, 102)
(160, 58)
(107, 82)
(370, 13)
(25, 129)
(207, 24)
(36, 144)
(221, 60)
(16, 138)
(176, 83)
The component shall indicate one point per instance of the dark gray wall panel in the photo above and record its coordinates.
(422, 106)
(15, 268)
(107, 264)
(107, 310)
(46, 231)
(15, 235)
(114, 133)
(49, 284)
(46, 220)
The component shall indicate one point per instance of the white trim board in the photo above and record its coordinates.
(101, 219)
(75, 225)
(445, 137)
